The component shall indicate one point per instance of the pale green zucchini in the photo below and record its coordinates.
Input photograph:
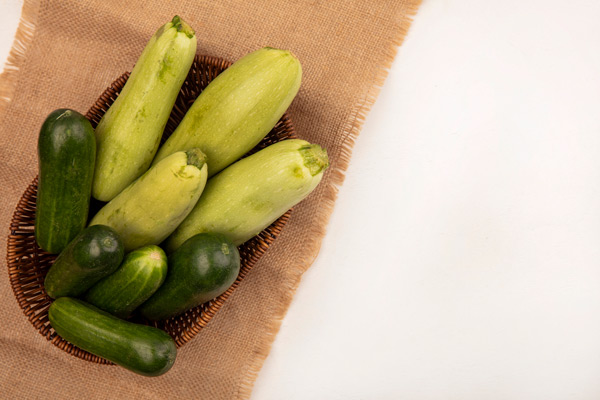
(129, 133)
(238, 108)
(249, 195)
(149, 209)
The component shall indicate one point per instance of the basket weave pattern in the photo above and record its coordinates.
(28, 264)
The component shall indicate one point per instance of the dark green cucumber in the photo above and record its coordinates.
(66, 155)
(140, 275)
(94, 254)
(204, 267)
(142, 349)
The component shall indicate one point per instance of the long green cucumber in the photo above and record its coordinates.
(201, 269)
(249, 195)
(142, 349)
(150, 208)
(94, 254)
(129, 133)
(66, 154)
(238, 108)
(139, 276)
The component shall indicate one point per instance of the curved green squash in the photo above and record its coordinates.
(238, 108)
(129, 133)
(150, 209)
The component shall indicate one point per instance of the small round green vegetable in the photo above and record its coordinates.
(140, 275)
(95, 253)
(204, 267)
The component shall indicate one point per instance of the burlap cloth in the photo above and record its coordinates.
(67, 52)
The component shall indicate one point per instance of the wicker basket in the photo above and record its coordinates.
(28, 264)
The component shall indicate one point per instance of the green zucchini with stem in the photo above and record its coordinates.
(238, 108)
(151, 207)
(128, 135)
(250, 194)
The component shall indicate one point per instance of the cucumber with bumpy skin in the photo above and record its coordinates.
(149, 209)
(249, 195)
(139, 276)
(238, 108)
(142, 349)
(66, 154)
(129, 133)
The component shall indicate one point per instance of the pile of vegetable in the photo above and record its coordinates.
(166, 239)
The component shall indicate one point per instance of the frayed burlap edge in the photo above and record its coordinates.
(334, 181)
(8, 83)
(16, 57)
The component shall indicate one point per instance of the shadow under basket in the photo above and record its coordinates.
(28, 264)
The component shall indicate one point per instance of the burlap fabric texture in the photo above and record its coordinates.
(67, 52)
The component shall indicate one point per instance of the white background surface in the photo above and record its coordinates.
(462, 260)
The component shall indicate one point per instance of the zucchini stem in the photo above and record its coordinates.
(182, 26)
(315, 158)
(195, 157)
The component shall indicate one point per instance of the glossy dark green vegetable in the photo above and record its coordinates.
(200, 270)
(94, 254)
(142, 349)
(66, 155)
(238, 108)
